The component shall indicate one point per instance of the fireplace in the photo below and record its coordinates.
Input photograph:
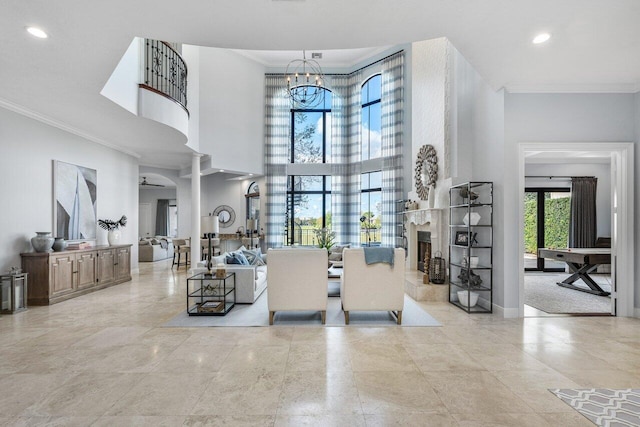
(424, 248)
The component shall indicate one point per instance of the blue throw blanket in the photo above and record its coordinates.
(377, 254)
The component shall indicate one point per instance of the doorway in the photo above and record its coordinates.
(546, 225)
(620, 157)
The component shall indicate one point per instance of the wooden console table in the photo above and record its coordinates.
(58, 276)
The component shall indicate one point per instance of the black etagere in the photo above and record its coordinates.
(471, 246)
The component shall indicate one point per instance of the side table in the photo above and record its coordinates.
(208, 295)
(13, 292)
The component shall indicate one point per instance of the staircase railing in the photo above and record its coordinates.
(165, 71)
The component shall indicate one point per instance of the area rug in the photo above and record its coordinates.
(542, 292)
(604, 406)
(257, 314)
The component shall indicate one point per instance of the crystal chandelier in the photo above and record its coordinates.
(304, 82)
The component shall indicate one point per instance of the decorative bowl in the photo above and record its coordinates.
(463, 295)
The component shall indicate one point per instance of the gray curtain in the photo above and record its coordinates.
(345, 157)
(277, 128)
(162, 218)
(582, 226)
(392, 142)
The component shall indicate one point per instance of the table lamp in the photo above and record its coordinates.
(251, 225)
(209, 226)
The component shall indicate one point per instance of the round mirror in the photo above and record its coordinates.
(426, 170)
(226, 215)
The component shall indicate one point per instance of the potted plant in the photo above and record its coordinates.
(113, 228)
(325, 238)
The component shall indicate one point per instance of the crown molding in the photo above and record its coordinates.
(8, 105)
(574, 89)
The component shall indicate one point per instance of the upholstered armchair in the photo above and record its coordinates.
(297, 281)
(372, 287)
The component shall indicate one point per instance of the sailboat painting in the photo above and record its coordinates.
(75, 205)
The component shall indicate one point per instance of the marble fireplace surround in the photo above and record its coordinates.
(424, 220)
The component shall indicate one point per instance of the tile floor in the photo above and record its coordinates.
(103, 359)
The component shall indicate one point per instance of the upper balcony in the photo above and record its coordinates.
(165, 72)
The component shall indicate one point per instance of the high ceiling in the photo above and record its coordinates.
(595, 47)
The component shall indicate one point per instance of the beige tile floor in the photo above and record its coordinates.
(104, 359)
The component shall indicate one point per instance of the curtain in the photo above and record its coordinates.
(582, 226)
(277, 127)
(392, 139)
(345, 157)
(162, 218)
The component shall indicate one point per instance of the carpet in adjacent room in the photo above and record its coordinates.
(542, 292)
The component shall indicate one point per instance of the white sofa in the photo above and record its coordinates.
(251, 281)
(150, 249)
(372, 287)
(297, 281)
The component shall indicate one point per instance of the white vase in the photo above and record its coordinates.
(113, 236)
(475, 218)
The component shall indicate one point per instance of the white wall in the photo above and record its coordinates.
(122, 86)
(558, 118)
(603, 192)
(28, 148)
(231, 110)
(637, 197)
(217, 190)
(476, 150)
(151, 196)
(428, 115)
(191, 56)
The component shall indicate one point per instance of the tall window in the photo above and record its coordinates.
(309, 196)
(308, 208)
(371, 208)
(371, 118)
(311, 132)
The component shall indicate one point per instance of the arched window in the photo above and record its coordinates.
(371, 179)
(309, 194)
(371, 118)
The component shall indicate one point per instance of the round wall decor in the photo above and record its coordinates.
(226, 215)
(426, 170)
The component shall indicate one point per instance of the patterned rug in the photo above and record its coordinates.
(604, 406)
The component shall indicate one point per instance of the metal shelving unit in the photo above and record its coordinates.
(471, 246)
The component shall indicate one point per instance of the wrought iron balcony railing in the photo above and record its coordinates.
(165, 71)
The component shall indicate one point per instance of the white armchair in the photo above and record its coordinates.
(372, 287)
(297, 281)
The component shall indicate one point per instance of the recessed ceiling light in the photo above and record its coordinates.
(541, 38)
(37, 32)
(250, 174)
(221, 170)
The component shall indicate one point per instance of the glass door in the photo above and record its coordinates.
(546, 225)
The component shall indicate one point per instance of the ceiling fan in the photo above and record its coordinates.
(144, 182)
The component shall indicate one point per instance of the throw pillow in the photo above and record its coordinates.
(220, 259)
(336, 252)
(237, 258)
(253, 256)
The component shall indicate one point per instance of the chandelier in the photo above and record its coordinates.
(304, 82)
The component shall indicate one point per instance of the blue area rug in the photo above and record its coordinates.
(257, 314)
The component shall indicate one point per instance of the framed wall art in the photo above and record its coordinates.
(75, 196)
